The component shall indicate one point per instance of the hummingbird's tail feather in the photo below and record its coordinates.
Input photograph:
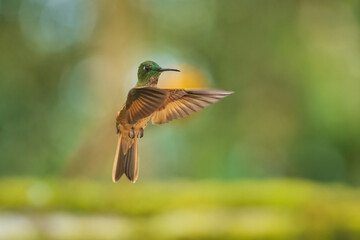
(119, 166)
(127, 163)
(132, 161)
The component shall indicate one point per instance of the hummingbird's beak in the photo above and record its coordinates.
(168, 69)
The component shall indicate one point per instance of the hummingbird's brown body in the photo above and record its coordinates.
(125, 127)
(146, 102)
(127, 143)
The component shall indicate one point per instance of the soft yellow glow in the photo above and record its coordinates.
(189, 77)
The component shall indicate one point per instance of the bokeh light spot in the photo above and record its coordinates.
(190, 77)
(55, 25)
(39, 194)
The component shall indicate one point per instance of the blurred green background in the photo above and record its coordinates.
(279, 159)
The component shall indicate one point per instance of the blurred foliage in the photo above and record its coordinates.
(66, 66)
(252, 209)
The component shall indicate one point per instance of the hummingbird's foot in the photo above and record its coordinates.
(131, 133)
(141, 132)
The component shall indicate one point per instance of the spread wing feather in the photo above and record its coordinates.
(181, 103)
(142, 102)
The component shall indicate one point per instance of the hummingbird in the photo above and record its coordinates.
(146, 102)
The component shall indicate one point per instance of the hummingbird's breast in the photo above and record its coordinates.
(141, 124)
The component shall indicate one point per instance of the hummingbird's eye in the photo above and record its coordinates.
(147, 68)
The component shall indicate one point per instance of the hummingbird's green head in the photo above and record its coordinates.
(149, 72)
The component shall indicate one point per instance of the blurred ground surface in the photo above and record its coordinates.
(247, 209)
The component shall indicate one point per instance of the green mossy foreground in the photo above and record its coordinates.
(259, 209)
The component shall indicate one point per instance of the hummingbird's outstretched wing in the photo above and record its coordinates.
(183, 102)
(142, 102)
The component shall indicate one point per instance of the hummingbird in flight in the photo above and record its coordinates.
(146, 102)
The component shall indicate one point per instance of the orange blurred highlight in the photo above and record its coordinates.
(189, 77)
